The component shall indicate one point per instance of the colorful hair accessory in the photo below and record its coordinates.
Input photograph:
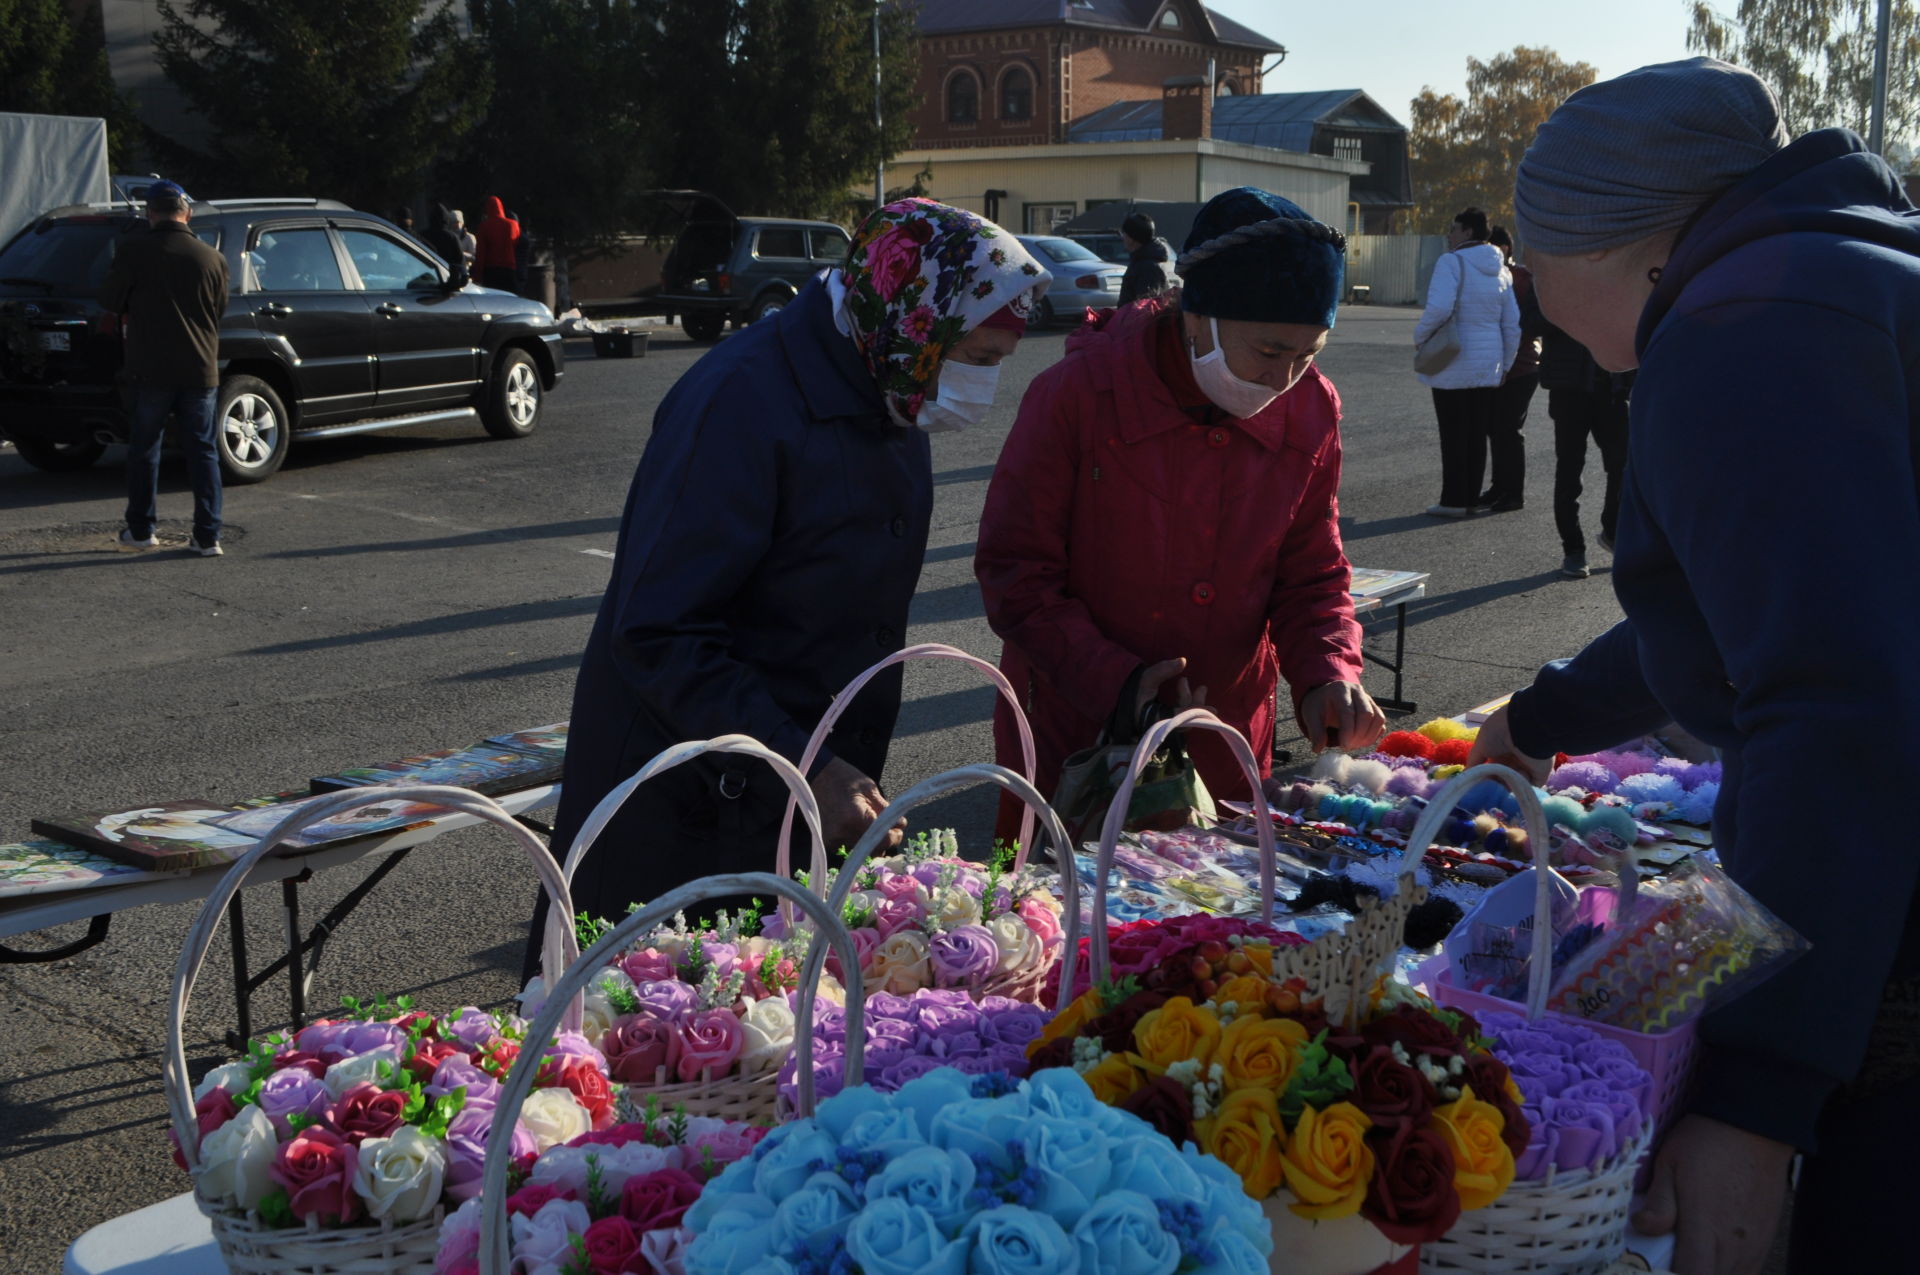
(1409, 783)
(1590, 775)
(1642, 788)
(1625, 763)
(1615, 821)
(1452, 752)
(1446, 772)
(1370, 775)
(1697, 806)
(1406, 743)
(1443, 728)
(1564, 811)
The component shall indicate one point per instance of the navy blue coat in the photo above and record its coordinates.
(770, 547)
(1769, 531)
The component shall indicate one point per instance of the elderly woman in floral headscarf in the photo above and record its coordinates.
(771, 544)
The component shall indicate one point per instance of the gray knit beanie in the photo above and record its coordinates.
(1632, 157)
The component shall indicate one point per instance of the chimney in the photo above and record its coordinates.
(1186, 108)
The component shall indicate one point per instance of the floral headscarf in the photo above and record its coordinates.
(922, 275)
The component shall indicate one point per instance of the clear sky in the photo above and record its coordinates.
(1393, 48)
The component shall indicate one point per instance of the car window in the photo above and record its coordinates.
(829, 244)
(788, 243)
(66, 256)
(387, 265)
(298, 259)
(208, 235)
(1066, 250)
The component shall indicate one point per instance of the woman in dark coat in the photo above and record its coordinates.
(771, 544)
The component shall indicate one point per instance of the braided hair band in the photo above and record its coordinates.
(1315, 231)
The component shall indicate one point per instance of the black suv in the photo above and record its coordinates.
(337, 322)
(725, 267)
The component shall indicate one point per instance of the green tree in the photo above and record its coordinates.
(51, 65)
(1466, 151)
(1818, 57)
(352, 99)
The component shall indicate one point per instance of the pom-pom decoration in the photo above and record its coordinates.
(1406, 743)
(1452, 752)
(1444, 728)
(1588, 775)
(1651, 787)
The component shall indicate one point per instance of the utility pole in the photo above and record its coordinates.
(879, 144)
(1877, 128)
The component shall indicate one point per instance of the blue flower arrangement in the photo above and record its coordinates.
(976, 1175)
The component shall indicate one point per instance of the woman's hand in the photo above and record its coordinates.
(1495, 744)
(1155, 676)
(1719, 1191)
(1341, 715)
(849, 803)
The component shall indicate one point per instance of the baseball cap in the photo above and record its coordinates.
(164, 189)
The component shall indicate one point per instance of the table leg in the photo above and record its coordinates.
(242, 985)
(296, 978)
(1397, 666)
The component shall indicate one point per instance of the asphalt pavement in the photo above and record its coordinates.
(393, 593)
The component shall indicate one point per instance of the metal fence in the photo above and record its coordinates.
(1393, 268)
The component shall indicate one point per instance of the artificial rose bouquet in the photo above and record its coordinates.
(909, 1036)
(957, 1173)
(381, 1115)
(1585, 1098)
(609, 1202)
(1404, 1120)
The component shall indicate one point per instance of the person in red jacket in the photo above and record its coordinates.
(1162, 522)
(494, 241)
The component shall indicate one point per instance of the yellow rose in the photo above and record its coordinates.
(1246, 1135)
(1260, 1052)
(1248, 991)
(1482, 1162)
(1327, 1162)
(1068, 1022)
(1261, 954)
(1115, 1079)
(1178, 1030)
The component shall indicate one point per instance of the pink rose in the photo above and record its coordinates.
(896, 914)
(367, 1111)
(431, 1053)
(612, 1245)
(1041, 919)
(654, 1201)
(724, 1146)
(865, 942)
(317, 1170)
(214, 1109)
(528, 1199)
(638, 1048)
(647, 966)
(709, 1041)
(893, 259)
(896, 885)
(309, 1063)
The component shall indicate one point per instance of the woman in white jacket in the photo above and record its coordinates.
(1472, 284)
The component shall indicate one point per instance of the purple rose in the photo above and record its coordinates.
(1011, 1059)
(893, 1029)
(1015, 1026)
(722, 956)
(1499, 1022)
(928, 874)
(668, 999)
(1542, 1140)
(883, 1053)
(471, 1027)
(573, 1045)
(1585, 1132)
(364, 1038)
(947, 998)
(1566, 1033)
(940, 1021)
(955, 1045)
(1623, 1107)
(460, 1073)
(830, 1024)
(292, 1092)
(1600, 1047)
(1526, 1041)
(1542, 1076)
(323, 1039)
(911, 1067)
(467, 1150)
(773, 928)
(1620, 1075)
(972, 884)
(962, 955)
(883, 1005)
(829, 1076)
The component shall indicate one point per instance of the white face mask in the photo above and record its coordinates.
(1237, 398)
(966, 394)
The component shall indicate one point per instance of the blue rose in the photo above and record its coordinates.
(782, 1171)
(889, 1131)
(734, 1181)
(892, 1237)
(926, 1095)
(735, 1238)
(1011, 1240)
(979, 1127)
(1059, 1091)
(1233, 1254)
(935, 1180)
(837, 1114)
(817, 1212)
(1153, 1167)
(1073, 1162)
(1122, 1235)
(1224, 1196)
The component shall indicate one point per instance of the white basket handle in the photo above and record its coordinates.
(557, 952)
(1440, 806)
(495, 1255)
(800, 796)
(1098, 961)
(924, 651)
(953, 781)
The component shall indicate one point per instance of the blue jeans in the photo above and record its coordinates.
(151, 407)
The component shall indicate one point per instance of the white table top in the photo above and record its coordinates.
(169, 1238)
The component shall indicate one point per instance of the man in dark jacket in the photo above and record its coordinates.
(170, 290)
(1147, 259)
(1583, 399)
(443, 237)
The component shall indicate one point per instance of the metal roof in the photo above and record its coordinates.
(944, 17)
(1284, 121)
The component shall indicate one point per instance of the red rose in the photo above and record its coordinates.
(317, 1168)
(1487, 1076)
(1387, 1089)
(588, 1084)
(407, 1024)
(528, 1199)
(1164, 1104)
(427, 1059)
(1415, 1029)
(1055, 1053)
(497, 1058)
(657, 1201)
(367, 1111)
(214, 1109)
(1411, 1199)
(1114, 1029)
(637, 1049)
(309, 1063)
(612, 1246)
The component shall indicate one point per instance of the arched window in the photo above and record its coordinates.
(1226, 88)
(963, 98)
(1016, 94)
(1170, 19)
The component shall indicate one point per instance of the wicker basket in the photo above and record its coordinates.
(495, 1254)
(246, 1245)
(1568, 1223)
(739, 1096)
(1345, 1246)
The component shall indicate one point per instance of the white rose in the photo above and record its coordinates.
(554, 1116)
(900, 964)
(954, 908)
(865, 900)
(1019, 945)
(635, 1159)
(666, 1251)
(596, 1017)
(768, 1027)
(400, 1177)
(611, 980)
(546, 1238)
(234, 1077)
(360, 1069)
(532, 997)
(564, 1168)
(234, 1160)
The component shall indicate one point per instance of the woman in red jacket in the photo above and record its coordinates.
(494, 241)
(1162, 521)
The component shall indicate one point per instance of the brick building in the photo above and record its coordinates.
(1020, 72)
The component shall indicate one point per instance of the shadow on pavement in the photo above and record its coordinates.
(460, 622)
(526, 668)
(544, 531)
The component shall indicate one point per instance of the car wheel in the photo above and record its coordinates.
(1042, 315)
(513, 396)
(58, 458)
(768, 306)
(704, 326)
(252, 430)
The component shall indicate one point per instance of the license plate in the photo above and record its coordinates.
(55, 341)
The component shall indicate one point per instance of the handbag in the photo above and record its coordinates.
(1442, 345)
(1170, 793)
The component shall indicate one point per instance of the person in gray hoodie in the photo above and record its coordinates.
(1472, 285)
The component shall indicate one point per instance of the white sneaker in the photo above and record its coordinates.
(127, 540)
(1448, 511)
(206, 551)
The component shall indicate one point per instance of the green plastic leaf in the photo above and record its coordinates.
(276, 1210)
